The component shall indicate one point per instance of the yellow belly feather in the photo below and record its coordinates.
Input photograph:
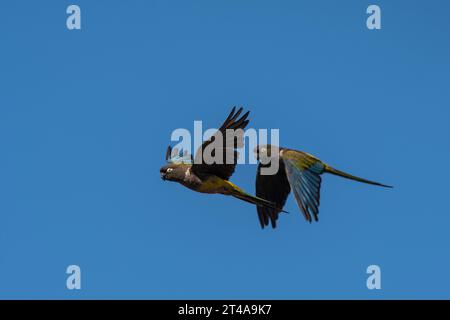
(214, 184)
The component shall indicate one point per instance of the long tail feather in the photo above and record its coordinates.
(257, 201)
(351, 177)
(240, 194)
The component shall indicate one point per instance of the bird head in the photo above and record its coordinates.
(173, 172)
(266, 152)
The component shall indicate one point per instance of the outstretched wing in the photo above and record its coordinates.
(221, 167)
(303, 173)
(274, 188)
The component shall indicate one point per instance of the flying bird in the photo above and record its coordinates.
(298, 172)
(202, 177)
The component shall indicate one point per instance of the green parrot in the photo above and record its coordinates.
(214, 177)
(297, 171)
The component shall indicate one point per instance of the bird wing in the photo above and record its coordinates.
(274, 188)
(221, 168)
(303, 173)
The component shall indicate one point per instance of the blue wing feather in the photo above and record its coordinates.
(305, 182)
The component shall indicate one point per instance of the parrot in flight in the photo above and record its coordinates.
(298, 172)
(214, 177)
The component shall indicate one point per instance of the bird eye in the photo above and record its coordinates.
(169, 169)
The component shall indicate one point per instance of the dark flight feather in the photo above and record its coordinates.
(223, 170)
(274, 188)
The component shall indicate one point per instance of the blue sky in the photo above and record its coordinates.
(85, 117)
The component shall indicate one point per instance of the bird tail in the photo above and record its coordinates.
(238, 193)
(351, 177)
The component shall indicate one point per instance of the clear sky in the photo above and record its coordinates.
(86, 116)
